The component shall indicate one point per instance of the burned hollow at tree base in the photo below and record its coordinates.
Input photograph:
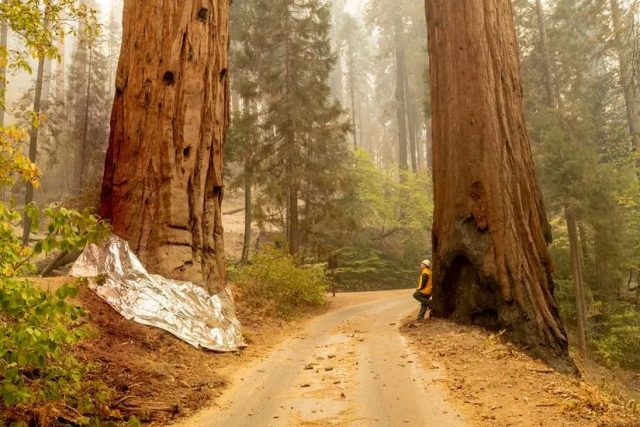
(466, 294)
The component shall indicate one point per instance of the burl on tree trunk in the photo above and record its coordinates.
(490, 231)
(162, 186)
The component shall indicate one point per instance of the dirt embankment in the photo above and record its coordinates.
(155, 376)
(493, 383)
(159, 378)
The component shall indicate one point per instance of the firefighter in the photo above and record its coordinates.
(425, 286)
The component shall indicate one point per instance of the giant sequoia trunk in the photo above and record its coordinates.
(162, 185)
(490, 231)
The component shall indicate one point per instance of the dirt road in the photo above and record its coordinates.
(349, 367)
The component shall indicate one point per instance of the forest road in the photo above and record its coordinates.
(348, 367)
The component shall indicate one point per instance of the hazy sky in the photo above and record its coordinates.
(105, 4)
(356, 6)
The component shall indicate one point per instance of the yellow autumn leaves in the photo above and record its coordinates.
(14, 164)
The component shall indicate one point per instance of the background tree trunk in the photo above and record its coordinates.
(293, 221)
(4, 34)
(83, 149)
(401, 99)
(162, 186)
(575, 241)
(576, 270)
(248, 208)
(411, 129)
(429, 144)
(33, 148)
(551, 96)
(626, 81)
(490, 232)
(352, 94)
(60, 68)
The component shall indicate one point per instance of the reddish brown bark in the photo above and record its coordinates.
(162, 185)
(490, 232)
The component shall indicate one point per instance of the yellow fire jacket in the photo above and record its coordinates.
(425, 281)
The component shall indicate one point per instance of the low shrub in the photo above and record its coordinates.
(274, 283)
(39, 376)
(619, 342)
(37, 332)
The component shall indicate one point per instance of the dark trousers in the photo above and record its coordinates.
(425, 302)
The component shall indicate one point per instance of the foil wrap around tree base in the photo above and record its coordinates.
(184, 309)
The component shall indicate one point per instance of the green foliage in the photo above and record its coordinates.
(36, 333)
(276, 284)
(619, 342)
(64, 230)
(362, 268)
(89, 108)
(397, 26)
(387, 204)
(290, 136)
(581, 144)
(37, 329)
(40, 24)
(384, 232)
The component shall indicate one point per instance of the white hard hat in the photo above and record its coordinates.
(426, 262)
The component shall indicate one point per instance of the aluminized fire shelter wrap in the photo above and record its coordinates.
(186, 310)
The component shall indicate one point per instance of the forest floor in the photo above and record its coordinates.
(157, 377)
(360, 361)
(364, 363)
(348, 367)
(160, 379)
(493, 383)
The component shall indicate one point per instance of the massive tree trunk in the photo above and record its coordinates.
(626, 81)
(162, 187)
(429, 144)
(490, 231)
